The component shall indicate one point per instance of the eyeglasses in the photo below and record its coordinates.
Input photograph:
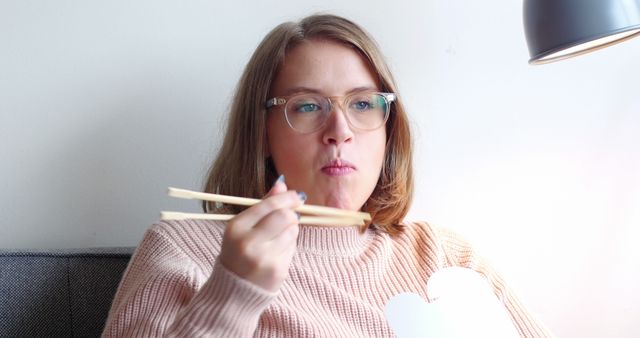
(306, 113)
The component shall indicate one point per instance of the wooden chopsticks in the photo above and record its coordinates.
(329, 216)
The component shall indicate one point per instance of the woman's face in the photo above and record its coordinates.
(335, 166)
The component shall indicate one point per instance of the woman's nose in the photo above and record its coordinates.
(337, 129)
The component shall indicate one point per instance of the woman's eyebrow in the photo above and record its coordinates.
(303, 89)
(362, 89)
(300, 89)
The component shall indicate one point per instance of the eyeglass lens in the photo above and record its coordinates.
(308, 112)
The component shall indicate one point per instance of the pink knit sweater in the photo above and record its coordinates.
(339, 282)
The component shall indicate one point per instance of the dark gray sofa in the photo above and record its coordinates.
(58, 293)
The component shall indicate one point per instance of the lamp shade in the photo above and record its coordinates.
(559, 29)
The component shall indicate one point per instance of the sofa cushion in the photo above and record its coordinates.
(58, 293)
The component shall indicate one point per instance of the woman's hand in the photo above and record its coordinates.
(259, 243)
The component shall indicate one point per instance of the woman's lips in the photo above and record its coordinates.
(337, 171)
(338, 167)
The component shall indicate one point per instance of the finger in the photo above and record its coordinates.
(278, 187)
(286, 242)
(273, 225)
(291, 250)
(248, 218)
(288, 253)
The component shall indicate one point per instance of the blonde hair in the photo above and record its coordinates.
(242, 167)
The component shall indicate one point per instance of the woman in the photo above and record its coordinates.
(317, 112)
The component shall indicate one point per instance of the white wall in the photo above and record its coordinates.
(105, 104)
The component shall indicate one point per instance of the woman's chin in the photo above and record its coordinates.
(337, 198)
(340, 203)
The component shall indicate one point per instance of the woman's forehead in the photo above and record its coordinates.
(323, 66)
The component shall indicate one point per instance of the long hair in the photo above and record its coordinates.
(242, 167)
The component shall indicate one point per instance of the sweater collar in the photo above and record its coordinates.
(333, 241)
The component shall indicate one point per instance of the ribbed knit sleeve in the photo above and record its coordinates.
(459, 252)
(165, 293)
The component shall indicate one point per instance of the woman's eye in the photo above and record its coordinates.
(362, 105)
(307, 107)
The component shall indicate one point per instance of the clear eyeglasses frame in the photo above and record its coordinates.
(308, 112)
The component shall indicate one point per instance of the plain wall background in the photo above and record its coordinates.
(103, 105)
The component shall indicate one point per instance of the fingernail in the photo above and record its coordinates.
(298, 214)
(302, 195)
(280, 179)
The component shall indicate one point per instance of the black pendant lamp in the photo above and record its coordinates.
(560, 29)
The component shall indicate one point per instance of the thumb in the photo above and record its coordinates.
(278, 187)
